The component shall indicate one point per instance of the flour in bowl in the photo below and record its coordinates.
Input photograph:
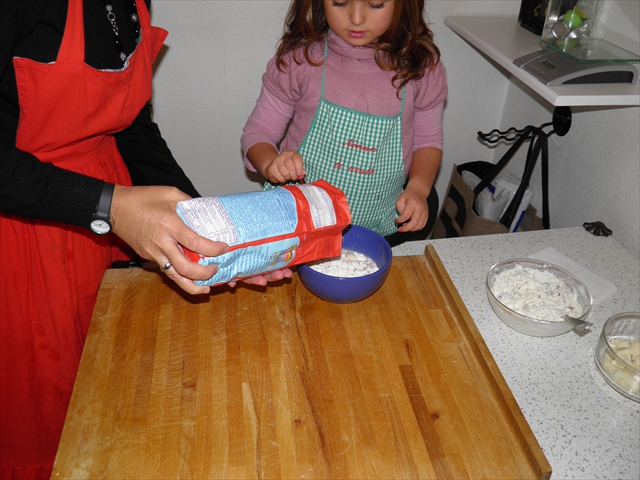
(536, 293)
(349, 264)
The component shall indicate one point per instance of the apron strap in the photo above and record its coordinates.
(324, 65)
(72, 46)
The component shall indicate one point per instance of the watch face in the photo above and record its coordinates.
(100, 227)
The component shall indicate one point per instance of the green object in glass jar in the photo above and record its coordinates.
(572, 19)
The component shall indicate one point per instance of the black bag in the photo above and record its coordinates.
(458, 217)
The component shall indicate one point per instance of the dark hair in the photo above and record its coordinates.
(406, 47)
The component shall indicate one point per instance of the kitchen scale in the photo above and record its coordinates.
(592, 62)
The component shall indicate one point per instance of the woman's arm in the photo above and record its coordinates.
(148, 158)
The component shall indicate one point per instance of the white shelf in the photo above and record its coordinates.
(502, 39)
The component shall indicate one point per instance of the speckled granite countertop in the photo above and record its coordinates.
(586, 429)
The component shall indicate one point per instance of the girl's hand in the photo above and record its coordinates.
(287, 166)
(413, 209)
(412, 203)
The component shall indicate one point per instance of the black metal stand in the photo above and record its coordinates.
(560, 121)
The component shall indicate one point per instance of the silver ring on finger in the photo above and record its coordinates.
(166, 267)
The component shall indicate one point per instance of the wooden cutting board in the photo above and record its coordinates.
(275, 383)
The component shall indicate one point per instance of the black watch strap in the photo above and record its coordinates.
(101, 221)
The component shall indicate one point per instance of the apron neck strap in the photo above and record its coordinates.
(324, 65)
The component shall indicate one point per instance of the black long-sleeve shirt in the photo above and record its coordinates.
(32, 189)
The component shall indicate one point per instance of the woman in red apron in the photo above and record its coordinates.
(74, 119)
(68, 114)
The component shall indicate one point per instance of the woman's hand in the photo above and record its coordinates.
(262, 280)
(146, 219)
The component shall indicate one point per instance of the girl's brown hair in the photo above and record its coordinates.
(406, 47)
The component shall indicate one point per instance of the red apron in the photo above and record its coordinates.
(50, 273)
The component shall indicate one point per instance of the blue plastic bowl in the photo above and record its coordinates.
(344, 289)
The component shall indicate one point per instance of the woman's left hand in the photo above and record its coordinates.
(262, 280)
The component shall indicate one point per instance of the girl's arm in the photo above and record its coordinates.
(266, 124)
(427, 151)
(263, 131)
(412, 203)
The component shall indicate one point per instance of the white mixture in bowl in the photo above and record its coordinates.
(349, 264)
(536, 293)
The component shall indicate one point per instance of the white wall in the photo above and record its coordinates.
(209, 76)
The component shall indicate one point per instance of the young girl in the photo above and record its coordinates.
(359, 89)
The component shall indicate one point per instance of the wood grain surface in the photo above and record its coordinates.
(276, 383)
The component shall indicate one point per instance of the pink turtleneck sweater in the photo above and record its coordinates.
(352, 80)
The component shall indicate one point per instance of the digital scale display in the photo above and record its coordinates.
(547, 64)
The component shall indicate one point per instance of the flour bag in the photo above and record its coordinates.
(268, 230)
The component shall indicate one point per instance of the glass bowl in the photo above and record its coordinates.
(351, 289)
(528, 323)
(617, 354)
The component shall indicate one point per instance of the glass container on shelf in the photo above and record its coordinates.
(572, 28)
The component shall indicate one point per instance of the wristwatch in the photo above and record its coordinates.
(101, 221)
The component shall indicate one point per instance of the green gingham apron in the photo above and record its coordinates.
(359, 153)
